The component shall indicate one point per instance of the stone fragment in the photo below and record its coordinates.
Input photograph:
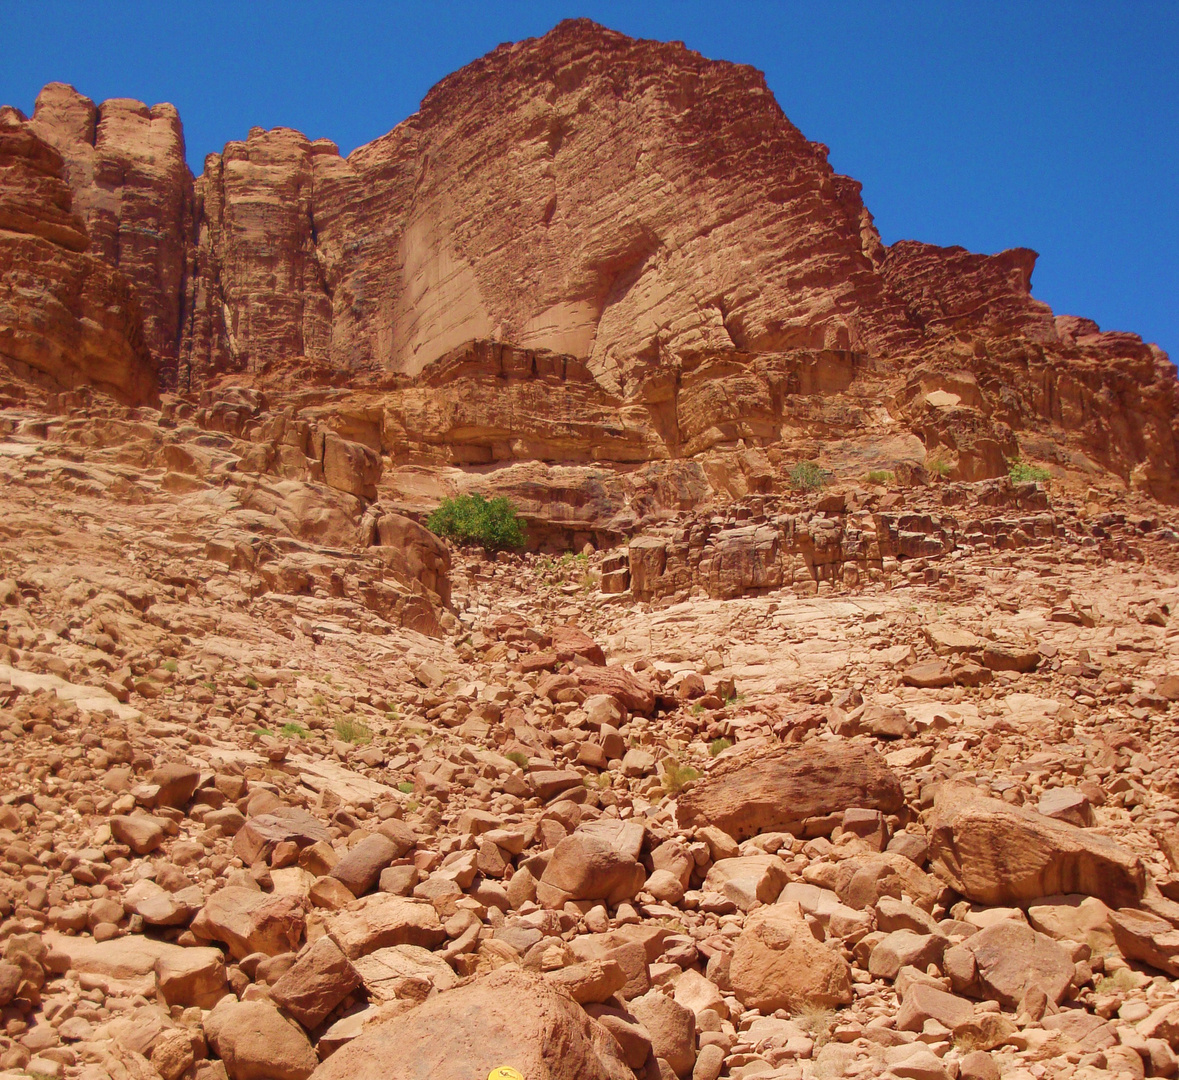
(1139, 935)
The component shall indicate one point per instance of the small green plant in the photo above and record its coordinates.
(881, 476)
(517, 757)
(318, 700)
(252, 683)
(208, 684)
(171, 665)
(263, 731)
(352, 731)
(405, 787)
(295, 731)
(939, 465)
(719, 746)
(1022, 473)
(472, 519)
(675, 776)
(809, 476)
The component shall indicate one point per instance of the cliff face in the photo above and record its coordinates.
(66, 317)
(648, 217)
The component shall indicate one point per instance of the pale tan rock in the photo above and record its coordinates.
(256, 1042)
(778, 963)
(1007, 959)
(380, 920)
(748, 880)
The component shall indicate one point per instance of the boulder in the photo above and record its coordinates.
(249, 921)
(636, 695)
(773, 789)
(508, 1018)
(778, 963)
(994, 853)
(672, 1028)
(257, 838)
(138, 965)
(256, 1042)
(1146, 937)
(381, 920)
(320, 978)
(361, 868)
(748, 880)
(1005, 960)
(587, 867)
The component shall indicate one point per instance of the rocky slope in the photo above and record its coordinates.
(866, 782)
(623, 215)
(742, 771)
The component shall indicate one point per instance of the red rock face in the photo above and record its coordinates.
(643, 219)
(66, 318)
(133, 191)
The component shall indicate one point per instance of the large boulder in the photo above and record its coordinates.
(381, 920)
(316, 983)
(768, 790)
(508, 1018)
(1005, 960)
(350, 466)
(249, 921)
(778, 963)
(256, 1042)
(995, 853)
(589, 867)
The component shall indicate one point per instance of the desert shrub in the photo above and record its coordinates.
(719, 746)
(675, 776)
(1021, 472)
(353, 731)
(880, 476)
(808, 476)
(472, 519)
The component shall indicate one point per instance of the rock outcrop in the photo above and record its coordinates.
(66, 317)
(584, 247)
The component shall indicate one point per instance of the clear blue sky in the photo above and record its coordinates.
(1049, 125)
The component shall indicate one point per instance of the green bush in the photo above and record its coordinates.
(472, 519)
(880, 476)
(1021, 472)
(809, 476)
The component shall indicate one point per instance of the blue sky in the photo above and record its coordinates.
(1047, 125)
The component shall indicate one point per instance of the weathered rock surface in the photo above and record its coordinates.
(994, 853)
(508, 1017)
(784, 786)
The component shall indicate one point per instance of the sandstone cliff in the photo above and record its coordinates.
(585, 247)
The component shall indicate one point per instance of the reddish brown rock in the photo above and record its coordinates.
(995, 853)
(508, 1017)
(771, 789)
(66, 316)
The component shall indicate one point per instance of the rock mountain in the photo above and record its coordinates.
(582, 247)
